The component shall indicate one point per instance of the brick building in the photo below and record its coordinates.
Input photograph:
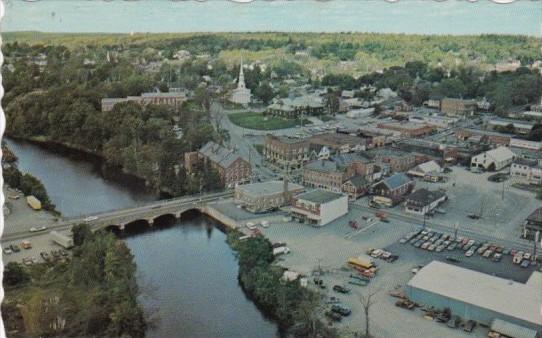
(409, 129)
(395, 160)
(286, 153)
(231, 167)
(323, 174)
(391, 190)
(458, 107)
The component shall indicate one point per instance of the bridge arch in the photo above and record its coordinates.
(165, 220)
(137, 225)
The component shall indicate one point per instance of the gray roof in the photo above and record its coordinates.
(358, 181)
(322, 166)
(512, 299)
(268, 188)
(344, 160)
(319, 196)
(396, 181)
(220, 155)
(535, 216)
(424, 197)
(512, 330)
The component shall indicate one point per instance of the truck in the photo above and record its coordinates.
(61, 239)
(33, 202)
(381, 215)
(362, 262)
(281, 250)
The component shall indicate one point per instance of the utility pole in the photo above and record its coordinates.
(456, 227)
(536, 239)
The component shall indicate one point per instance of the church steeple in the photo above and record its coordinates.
(241, 83)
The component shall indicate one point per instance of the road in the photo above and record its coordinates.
(123, 215)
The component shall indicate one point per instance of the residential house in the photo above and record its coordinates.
(391, 190)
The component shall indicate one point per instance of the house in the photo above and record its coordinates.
(526, 171)
(241, 94)
(285, 153)
(231, 167)
(421, 170)
(391, 190)
(323, 174)
(532, 224)
(356, 186)
(494, 159)
(423, 201)
(319, 207)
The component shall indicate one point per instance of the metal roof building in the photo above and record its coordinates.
(481, 297)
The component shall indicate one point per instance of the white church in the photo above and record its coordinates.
(241, 94)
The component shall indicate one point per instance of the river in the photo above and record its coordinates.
(187, 272)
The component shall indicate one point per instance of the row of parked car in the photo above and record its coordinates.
(436, 241)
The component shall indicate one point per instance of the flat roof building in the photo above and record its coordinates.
(319, 207)
(478, 296)
(266, 196)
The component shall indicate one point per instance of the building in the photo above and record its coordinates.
(423, 201)
(337, 143)
(323, 174)
(458, 107)
(421, 170)
(395, 160)
(391, 190)
(525, 144)
(409, 129)
(266, 196)
(241, 94)
(513, 126)
(526, 171)
(533, 223)
(294, 108)
(356, 186)
(319, 207)
(473, 295)
(434, 120)
(494, 159)
(355, 164)
(483, 137)
(171, 99)
(231, 167)
(286, 153)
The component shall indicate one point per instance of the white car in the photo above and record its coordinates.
(91, 218)
(36, 229)
(251, 226)
(265, 224)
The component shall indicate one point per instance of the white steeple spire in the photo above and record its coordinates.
(241, 83)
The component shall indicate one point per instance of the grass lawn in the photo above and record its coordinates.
(257, 121)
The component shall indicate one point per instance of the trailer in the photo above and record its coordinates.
(61, 239)
(362, 262)
(33, 202)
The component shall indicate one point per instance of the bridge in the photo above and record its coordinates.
(122, 218)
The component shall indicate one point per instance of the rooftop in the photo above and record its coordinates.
(395, 181)
(516, 300)
(222, 156)
(322, 166)
(424, 197)
(268, 188)
(535, 216)
(319, 196)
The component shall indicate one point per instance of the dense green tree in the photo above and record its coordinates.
(15, 274)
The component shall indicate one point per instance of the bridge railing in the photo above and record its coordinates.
(189, 198)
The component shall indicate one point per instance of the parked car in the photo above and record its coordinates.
(15, 248)
(341, 289)
(36, 229)
(452, 259)
(418, 244)
(469, 326)
(451, 246)
(525, 263)
(342, 310)
(454, 322)
(497, 257)
(488, 253)
(431, 247)
(7, 250)
(440, 248)
(469, 253)
(426, 245)
(403, 240)
(527, 255)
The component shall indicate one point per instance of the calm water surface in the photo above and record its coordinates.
(187, 272)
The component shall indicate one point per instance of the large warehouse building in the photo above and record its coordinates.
(478, 296)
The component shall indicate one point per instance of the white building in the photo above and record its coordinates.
(423, 201)
(319, 207)
(527, 171)
(494, 159)
(426, 168)
(241, 94)
(525, 144)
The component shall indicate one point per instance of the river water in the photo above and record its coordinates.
(187, 272)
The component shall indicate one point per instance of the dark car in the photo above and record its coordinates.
(525, 263)
(454, 322)
(469, 326)
(343, 311)
(340, 289)
(15, 248)
(452, 259)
